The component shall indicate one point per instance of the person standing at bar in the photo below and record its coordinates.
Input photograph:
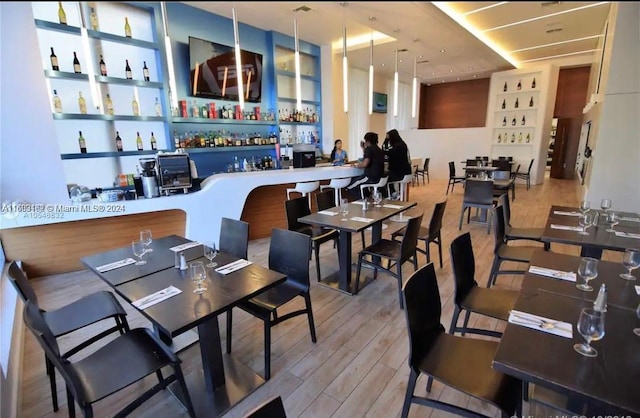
(372, 162)
(399, 158)
(338, 155)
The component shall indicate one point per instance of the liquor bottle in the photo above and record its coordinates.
(523, 121)
(54, 61)
(513, 138)
(154, 143)
(82, 103)
(103, 67)
(531, 102)
(505, 86)
(145, 71)
(517, 103)
(82, 143)
(76, 64)
(236, 164)
(499, 138)
(504, 103)
(504, 121)
(205, 111)
(158, 108)
(513, 122)
(57, 103)
(135, 107)
(520, 138)
(127, 70)
(62, 16)
(93, 18)
(195, 110)
(108, 105)
(127, 28)
(118, 142)
(533, 83)
(139, 142)
(528, 138)
(519, 87)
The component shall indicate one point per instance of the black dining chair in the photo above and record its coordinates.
(502, 165)
(74, 316)
(234, 237)
(432, 234)
(459, 362)
(270, 409)
(288, 254)
(324, 201)
(516, 234)
(503, 252)
(122, 362)
(503, 184)
(469, 298)
(453, 179)
(394, 252)
(477, 194)
(526, 176)
(422, 172)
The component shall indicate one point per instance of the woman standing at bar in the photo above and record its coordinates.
(399, 159)
(338, 155)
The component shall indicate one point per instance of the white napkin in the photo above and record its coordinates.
(231, 267)
(115, 265)
(390, 206)
(630, 219)
(361, 219)
(327, 212)
(157, 297)
(560, 212)
(638, 289)
(566, 227)
(358, 202)
(562, 329)
(556, 274)
(185, 246)
(627, 235)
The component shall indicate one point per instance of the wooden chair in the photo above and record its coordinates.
(514, 233)
(459, 362)
(494, 303)
(432, 234)
(453, 179)
(74, 316)
(288, 254)
(477, 194)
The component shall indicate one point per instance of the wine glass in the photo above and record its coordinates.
(344, 209)
(147, 238)
(588, 270)
(631, 260)
(613, 219)
(139, 250)
(585, 222)
(591, 327)
(637, 330)
(211, 251)
(198, 274)
(584, 206)
(605, 205)
(377, 197)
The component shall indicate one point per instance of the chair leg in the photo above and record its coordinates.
(312, 327)
(159, 375)
(415, 261)
(411, 385)
(399, 277)
(489, 219)
(429, 384)
(267, 349)
(355, 291)
(177, 371)
(362, 236)
(461, 218)
(316, 249)
(547, 246)
(454, 320)
(71, 406)
(465, 324)
(229, 322)
(448, 184)
(494, 271)
(51, 371)
(440, 248)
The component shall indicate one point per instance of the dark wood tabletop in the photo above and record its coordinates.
(608, 382)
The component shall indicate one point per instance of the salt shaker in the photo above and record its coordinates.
(600, 303)
(183, 262)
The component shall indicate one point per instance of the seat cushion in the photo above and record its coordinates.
(423, 233)
(82, 312)
(384, 248)
(516, 253)
(495, 303)
(534, 234)
(266, 302)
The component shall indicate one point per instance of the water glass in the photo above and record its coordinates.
(210, 252)
(605, 205)
(613, 219)
(591, 327)
(344, 209)
(588, 270)
(377, 197)
(631, 260)
(585, 222)
(198, 273)
(584, 206)
(139, 250)
(147, 238)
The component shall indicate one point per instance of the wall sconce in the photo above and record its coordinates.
(395, 88)
(345, 72)
(371, 78)
(414, 89)
(297, 63)
(239, 78)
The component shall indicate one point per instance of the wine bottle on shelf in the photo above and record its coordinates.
(523, 121)
(127, 28)
(519, 86)
(127, 70)
(145, 71)
(139, 142)
(513, 121)
(118, 142)
(531, 102)
(533, 83)
(528, 138)
(103, 67)
(520, 138)
(76, 64)
(57, 103)
(499, 138)
(82, 143)
(517, 103)
(504, 103)
(205, 111)
(195, 110)
(93, 18)
(504, 121)
(82, 103)
(135, 107)
(154, 143)
(62, 16)
(54, 61)
(158, 108)
(505, 86)
(108, 105)
(513, 137)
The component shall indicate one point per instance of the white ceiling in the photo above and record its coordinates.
(425, 30)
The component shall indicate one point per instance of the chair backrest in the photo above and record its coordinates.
(514, 172)
(485, 158)
(503, 201)
(296, 208)
(530, 165)
(479, 192)
(464, 266)
(502, 165)
(426, 164)
(21, 283)
(410, 238)
(473, 163)
(435, 224)
(289, 254)
(422, 312)
(478, 157)
(234, 237)
(498, 227)
(501, 175)
(502, 157)
(325, 200)
(270, 409)
(452, 169)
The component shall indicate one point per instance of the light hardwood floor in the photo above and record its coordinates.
(358, 367)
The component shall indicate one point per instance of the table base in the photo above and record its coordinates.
(366, 277)
(240, 381)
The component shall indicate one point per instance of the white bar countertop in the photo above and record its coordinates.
(221, 195)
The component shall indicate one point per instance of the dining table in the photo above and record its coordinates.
(357, 220)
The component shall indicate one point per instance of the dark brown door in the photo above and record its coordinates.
(558, 157)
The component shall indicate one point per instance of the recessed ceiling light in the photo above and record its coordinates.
(400, 60)
(382, 64)
(458, 78)
(474, 76)
(428, 84)
(450, 71)
(443, 81)
(420, 56)
(433, 73)
(443, 51)
(396, 30)
(372, 19)
(470, 68)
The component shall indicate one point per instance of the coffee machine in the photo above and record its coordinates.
(149, 178)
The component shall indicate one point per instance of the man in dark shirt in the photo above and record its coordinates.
(399, 158)
(373, 164)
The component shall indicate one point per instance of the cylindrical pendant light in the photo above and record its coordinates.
(297, 63)
(414, 90)
(395, 88)
(239, 78)
(371, 77)
(173, 92)
(345, 72)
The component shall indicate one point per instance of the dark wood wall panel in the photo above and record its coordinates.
(454, 105)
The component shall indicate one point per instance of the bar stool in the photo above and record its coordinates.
(304, 188)
(402, 185)
(337, 185)
(382, 183)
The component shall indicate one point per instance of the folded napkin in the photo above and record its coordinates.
(231, 267)
(627, 235)
(390, 206)
(327, 212)
(638, 289)
(361, 219)
(560, 212)
(630, 219)
(157, 297)
(556, 274)
(358, 202)
(115, 265)
(566, 227)
(185, 246)
(540, 323)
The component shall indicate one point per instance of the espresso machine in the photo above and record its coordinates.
(149, 178)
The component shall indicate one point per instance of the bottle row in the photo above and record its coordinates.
(210, 111)
(253, 164)
(514, 121)
(153, 143)
(516, 104)
(77, 68)
(93, 19)
(505, 88)
(218, 139)
(108, 105)
(506, 138)
(307, 115)
(309, 137)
